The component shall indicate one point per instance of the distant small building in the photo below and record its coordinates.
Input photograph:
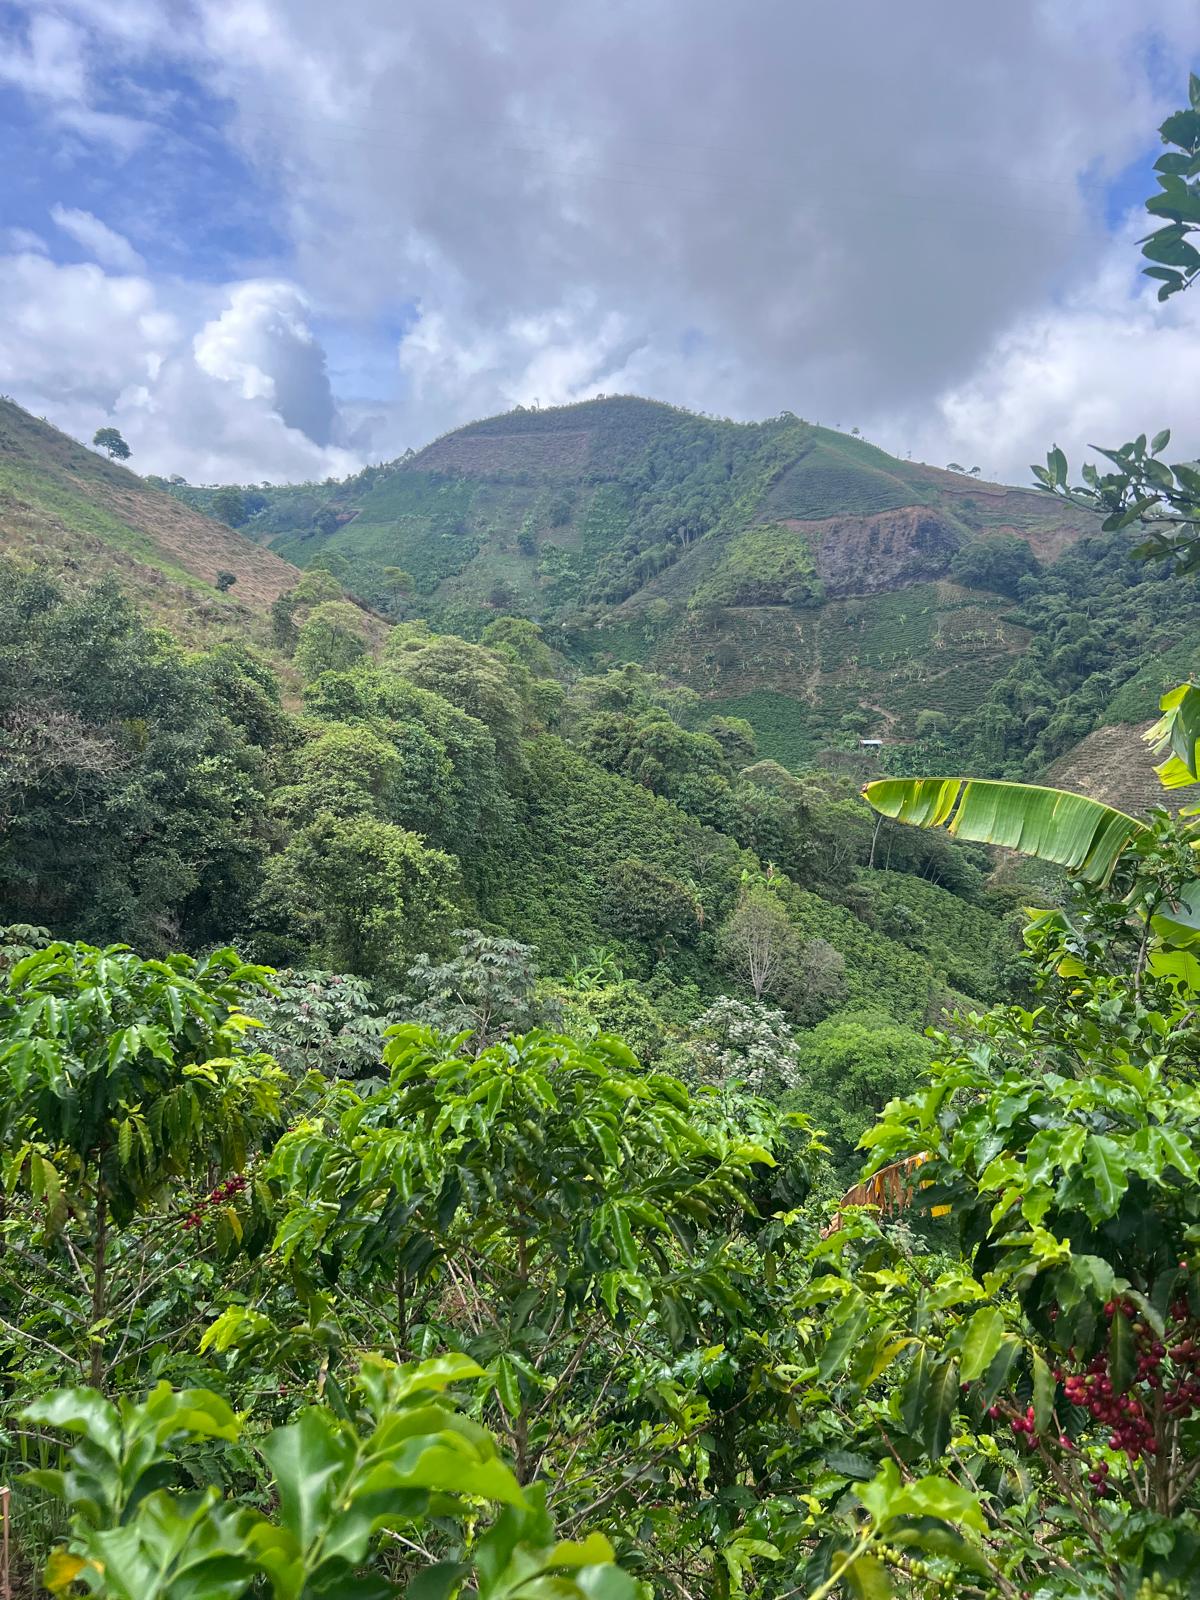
(871, 744)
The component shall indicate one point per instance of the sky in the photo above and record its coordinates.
(279, 239)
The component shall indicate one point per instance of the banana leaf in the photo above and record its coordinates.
(891, 1190)
(1177, 730)
(1070, 830)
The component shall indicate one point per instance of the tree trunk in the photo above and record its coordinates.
(99, 1285)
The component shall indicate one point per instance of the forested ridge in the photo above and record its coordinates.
(473, 1121)
(791, 575)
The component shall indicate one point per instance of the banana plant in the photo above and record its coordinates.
(1088, 838)
(1085, 836)
(1071, 831)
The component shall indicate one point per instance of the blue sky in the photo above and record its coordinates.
(273, 238)
(183, 195)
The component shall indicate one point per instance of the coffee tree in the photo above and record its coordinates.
(127, 1090)
(384, 1499)
(1051, 1369)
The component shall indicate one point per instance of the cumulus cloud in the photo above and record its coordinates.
(861, 213)
(1108, 363)
(102, 243)
(221, 401)
(72, 333)
(261, 343)
(852, 223)
(840, 211)
(558, 354)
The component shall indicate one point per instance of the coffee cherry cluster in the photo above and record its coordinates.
(1022, 1423)
(1168, 1367)
(1183, 1397)
(218, 1196)
(1163, 1384)
(1132, 1430)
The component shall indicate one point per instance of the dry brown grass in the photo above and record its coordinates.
(79, 515)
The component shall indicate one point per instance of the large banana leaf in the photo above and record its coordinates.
(1177, 730)
(1068, 829)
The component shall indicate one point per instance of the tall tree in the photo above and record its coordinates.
(758, 942)
(229, 506)
(331, 639)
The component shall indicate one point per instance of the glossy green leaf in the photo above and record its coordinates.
(80, 1411)
(888, 1497)
(914, 1391)
(850, 1464)
(1108, 1173)
(941, 1402)
(1073, 832)
(934, 1537)
(849, 1323)
(997, 1375)
(980, 1343)
(309, 1459)
(1043, 1393)
(1122, 1352)
(508, 1386)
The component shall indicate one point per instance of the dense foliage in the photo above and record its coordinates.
(501, 1238)
(637, 1311)
(170, 800)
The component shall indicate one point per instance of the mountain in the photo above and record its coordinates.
(81, 515)
(595, 503)
(791, 574)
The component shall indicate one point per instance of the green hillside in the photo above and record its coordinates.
(516, 784)
(774, 559)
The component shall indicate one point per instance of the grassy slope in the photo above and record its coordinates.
(1114, 764)
(82, 516)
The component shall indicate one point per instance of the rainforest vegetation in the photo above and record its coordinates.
(470, 1124)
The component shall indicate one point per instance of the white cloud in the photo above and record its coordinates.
(559, 355)
(49, 61)
(262, 344)
(71, 333)
(22, 241)
(102, 243)
(851, 205)
(87, 348)
(868, 214)
(51, 64)
(1106, 363)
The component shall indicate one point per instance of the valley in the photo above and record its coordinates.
(607, 1006)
